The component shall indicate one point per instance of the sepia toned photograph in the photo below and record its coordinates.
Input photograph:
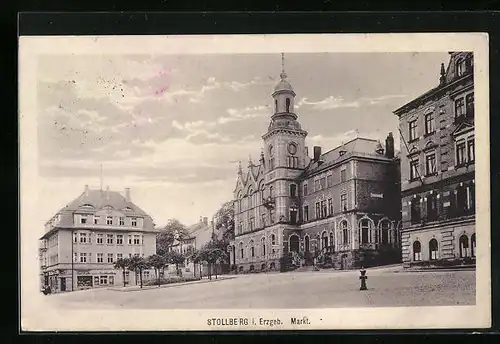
(279, 185)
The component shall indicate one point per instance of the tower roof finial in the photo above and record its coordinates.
(283, 74)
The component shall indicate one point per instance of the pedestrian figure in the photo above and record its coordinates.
(363, 279)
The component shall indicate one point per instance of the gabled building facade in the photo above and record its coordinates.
(437, 168)
(342, 206)
(84, 239)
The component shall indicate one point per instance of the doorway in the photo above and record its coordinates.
(307, 244)
(343, 262)
(63, 283)
(294, 243)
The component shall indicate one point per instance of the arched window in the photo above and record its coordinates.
(324, 240)
(242, 253)
(273, 239)
(252, 248)
(263, 246)
(415, 210)
(464, 246)
(287, 104)
(294, 243)
(385, 227)
(364, 227)
(271, 191)
(250, 198)
(433, 249)
(293, 190)
(417, 251)
(431, 205)
(345, 232)
(276, 105)
(331, 239)
(307, 244)
(473, 244)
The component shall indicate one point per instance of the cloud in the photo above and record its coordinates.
(382, 99)
(244, 113)
(328, 103)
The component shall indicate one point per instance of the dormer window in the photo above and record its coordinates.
(83, 219)
(460, 67)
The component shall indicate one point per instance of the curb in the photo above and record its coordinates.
(446, 269)
(171, 285)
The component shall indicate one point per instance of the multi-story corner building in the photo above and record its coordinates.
(437, 168)
(343, 204)
(84, 239)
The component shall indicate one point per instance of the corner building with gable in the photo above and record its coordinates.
(438, 169)
(337, 209)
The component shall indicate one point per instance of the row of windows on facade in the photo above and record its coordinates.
(322, 211)
(86, 281)
(319, 184)
(464, 154)
(86, 257)
(110, 220)
(467, 248)
(291, 162)
(86, 238)
(460, 203)
(464, 106)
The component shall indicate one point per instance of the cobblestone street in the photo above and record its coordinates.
(388, 287)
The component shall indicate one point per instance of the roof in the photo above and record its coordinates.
(98, 199)
(283, 85)
(360, 147)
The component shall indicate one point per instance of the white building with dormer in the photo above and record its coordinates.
(83, 240)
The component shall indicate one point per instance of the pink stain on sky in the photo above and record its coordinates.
(162, 73)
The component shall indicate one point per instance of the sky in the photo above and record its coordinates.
(172, 127)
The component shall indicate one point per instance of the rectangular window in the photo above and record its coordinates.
(305, 189)
(460, 150)
(318, 210)
(83, 219)
(317, 185)
(83, 238)
(470, 149)
(271, 163)
(100, 257)
(330, 206)
(83, 257)
(109, 239)
(252, 223)
(119, 239)
(459, 107)
(430, 164)
(110, 257)
(122, 221)
(329, 181)
(103, 280)
(414, 169)
(342, 175)
(240, 227)
(263, 219)
(109, 220)
(130, 239)
(136, 240)
(271, 212)
(134, 222)
(306, 213)
(96, 220)
(322, 183)
(99, 238)
(343, 202)
(429, 123)
(469, 103)
(323, 209)
(119, 256)
(412, 130)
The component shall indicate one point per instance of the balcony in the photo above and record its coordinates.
(269, 202)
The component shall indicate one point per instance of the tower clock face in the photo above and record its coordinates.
(292, 148)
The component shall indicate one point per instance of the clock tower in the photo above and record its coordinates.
(284, 153)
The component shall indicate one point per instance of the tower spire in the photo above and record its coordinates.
(283, 74)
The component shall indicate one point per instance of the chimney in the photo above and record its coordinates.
(389, 146)
(317, 153)
(127, 194)
(205, 221)
(86, 190)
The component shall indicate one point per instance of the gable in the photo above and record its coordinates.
(462, 128)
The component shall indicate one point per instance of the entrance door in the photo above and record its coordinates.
(294, 243)
(63, 283)
(307, 244)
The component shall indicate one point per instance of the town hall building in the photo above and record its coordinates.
(336, 209)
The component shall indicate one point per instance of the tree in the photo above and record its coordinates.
(175, 258)
(138, 264)
(157, 262)
(224, 221)
(173, 230)
(214, 252)
(122, 264)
